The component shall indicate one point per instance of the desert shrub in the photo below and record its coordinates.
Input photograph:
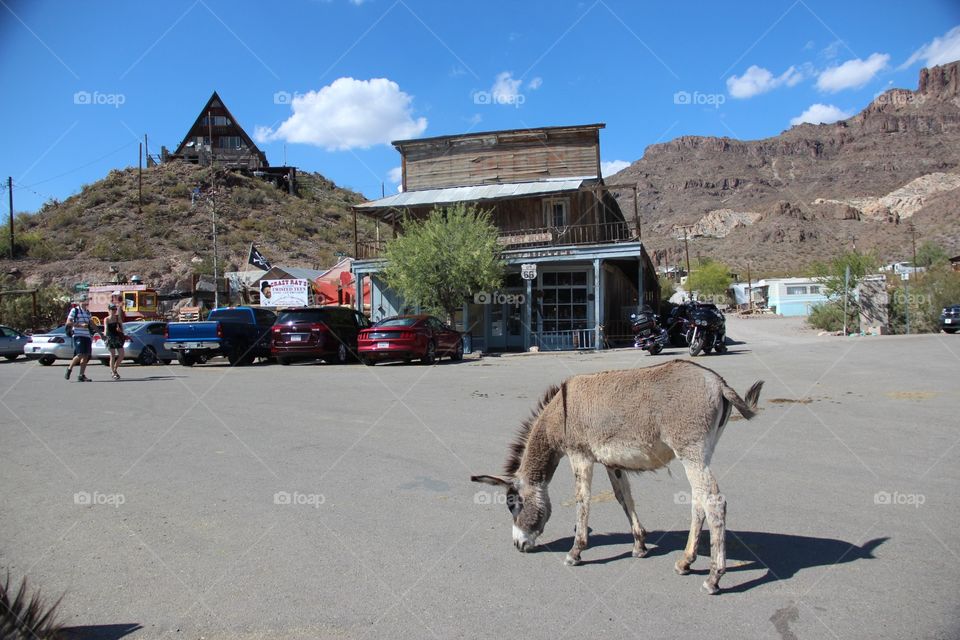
(829, 317)
(17, 311)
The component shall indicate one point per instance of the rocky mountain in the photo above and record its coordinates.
(97, 233)
(812, 191)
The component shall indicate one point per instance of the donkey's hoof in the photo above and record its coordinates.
(640, 553)
(570, 561)
(710, 589)
(681, 568)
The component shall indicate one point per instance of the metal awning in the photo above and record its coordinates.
(451, 195)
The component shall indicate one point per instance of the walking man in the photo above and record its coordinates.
(78, 325)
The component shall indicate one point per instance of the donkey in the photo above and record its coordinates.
(631, 420)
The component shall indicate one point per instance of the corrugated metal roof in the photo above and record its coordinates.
(480, 192)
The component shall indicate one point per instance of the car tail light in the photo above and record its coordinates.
(96, 337)
(276, 329)
(166, 333)
(219, 330)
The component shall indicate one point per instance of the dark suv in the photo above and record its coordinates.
(308, 333)
(950, 318)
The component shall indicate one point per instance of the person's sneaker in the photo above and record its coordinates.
(83, 378)
(66, 376)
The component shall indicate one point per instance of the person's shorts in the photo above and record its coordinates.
(81, 345)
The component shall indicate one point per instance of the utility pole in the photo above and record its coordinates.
(846, 296)
(686, 248)
(10, 190)
(913, 241)
(213, 207)
(140, 180)
(749, 288)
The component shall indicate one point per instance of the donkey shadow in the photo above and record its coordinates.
(99, 632)
(782, 555)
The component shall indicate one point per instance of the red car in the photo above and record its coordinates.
(408, 338)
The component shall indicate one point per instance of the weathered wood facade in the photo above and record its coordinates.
(500, 157)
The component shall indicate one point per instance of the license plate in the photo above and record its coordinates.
(948, 320)
(193, 345)
(35, 349)
(296, 338)
(383, 345)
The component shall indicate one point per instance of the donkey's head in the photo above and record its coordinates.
(529, 505)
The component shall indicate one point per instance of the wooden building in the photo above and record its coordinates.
(546, 194)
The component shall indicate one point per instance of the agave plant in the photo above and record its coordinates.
(27, 616)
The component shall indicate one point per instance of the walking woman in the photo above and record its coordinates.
(113, 326)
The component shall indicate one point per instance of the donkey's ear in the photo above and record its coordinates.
(496, 481)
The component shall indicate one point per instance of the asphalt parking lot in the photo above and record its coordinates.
(322, 501)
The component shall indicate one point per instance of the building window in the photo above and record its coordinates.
(555, 212)
(218, 121)
(564, 301)
(797, 290)
(230, 142)
(815, 290)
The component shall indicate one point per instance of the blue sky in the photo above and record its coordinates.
(334, 81)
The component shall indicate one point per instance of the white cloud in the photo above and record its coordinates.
(609, 168)
(395, 175)
(852, 74)
(348, 114)
(505, 88)
(821, 114)
(535, 84)
(941, 50)
(757, 80)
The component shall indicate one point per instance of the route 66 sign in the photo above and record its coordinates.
(528, 271)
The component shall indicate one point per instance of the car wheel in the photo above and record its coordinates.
(365, 361)
(166, 361)
(147, 356)
(47, 360)
(342, 355)
(236, 356)
(430, 356)
(186, 360)
(950, 330)
(458, 353)
(11, 357)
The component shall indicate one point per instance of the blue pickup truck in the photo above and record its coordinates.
(241, 334)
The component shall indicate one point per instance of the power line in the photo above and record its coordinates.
(83, 166)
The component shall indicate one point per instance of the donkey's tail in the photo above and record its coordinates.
(747, 406)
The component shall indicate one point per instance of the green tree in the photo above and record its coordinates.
(832, 275)
(710, 279)
(930, 254)
(439, 261)
(667, 287)
(17, 310)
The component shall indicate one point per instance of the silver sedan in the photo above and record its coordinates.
(144, 344)
(49, 346)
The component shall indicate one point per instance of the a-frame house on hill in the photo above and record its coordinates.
(231, 146)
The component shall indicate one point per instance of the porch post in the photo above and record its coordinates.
(641, 283)
(597, 298)
(527, 315)
(358, 291)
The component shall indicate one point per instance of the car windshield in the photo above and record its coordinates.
(303, 315)
(134, 327)
(397, 322)
(59, 330)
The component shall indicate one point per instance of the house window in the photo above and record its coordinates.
(564, 301)
(555, 212)
(218, 121)
(797, 290)
(230, 142)
(815, 290)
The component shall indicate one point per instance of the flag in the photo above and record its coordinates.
(257, 259)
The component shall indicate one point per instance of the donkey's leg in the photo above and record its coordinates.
(583, 474)
(621, 489)
(716, 508)
(697, 515)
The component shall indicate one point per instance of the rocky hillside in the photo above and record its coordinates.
(812, 191)
(98, 232)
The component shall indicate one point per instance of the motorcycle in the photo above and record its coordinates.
(647, 332)
(705, 328)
